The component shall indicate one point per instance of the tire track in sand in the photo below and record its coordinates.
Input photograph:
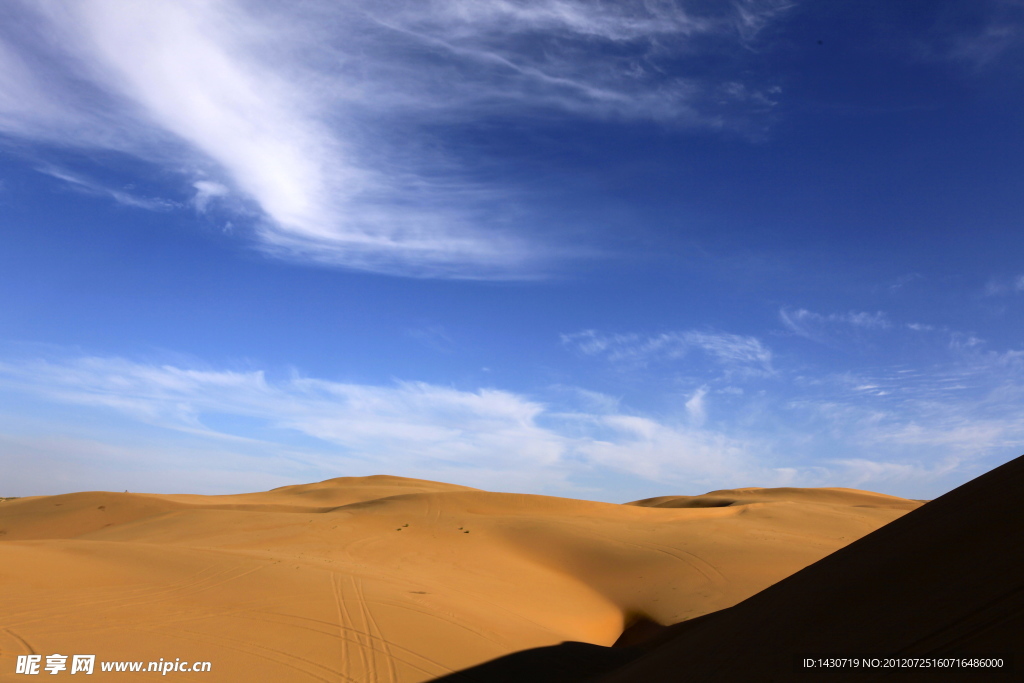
(322, 627)
(346, 625)
(24, 643)
(374, 631)
(268, 653)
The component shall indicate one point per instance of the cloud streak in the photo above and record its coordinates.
(122, 197)
(317, 114)
(978, 35)
(825, 328)
(735, 353)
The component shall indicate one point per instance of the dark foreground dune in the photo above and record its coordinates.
(944, 580)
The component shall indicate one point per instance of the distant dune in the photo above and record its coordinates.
(751, 495)
(390, 579)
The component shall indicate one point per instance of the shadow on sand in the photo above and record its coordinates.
(944, 580)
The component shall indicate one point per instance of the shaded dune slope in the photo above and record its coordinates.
(946, 579)
(751, 495)
(388, 579)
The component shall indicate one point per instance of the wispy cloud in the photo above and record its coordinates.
(978, 34)
(318, 112)
(121, 196)
(695, 406)
(435, 337)
(596, 59)
(959, 409)
(951, 404)
(657, 451)
(733, 352)
(903, 281)
(910, 431)
(860, 472)
(408, 426)
(986, 45)
(1004, 285)
(828, 327)
(206, 192)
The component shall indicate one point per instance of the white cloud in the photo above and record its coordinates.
(902, 281)
(964, 408)
(955, 401)
(121, 196)
(751, 16)
(997, 286)
(990, 32)
(598, 402)
(659, 452)
(207, 191)
(696, 408)
(964, 341)
(317, 111)
(600, 59)
(435, 337)
(733, 350)
(22, 102)
(827, 328)
(861, 472)
(737, 354)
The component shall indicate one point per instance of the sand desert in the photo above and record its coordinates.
(390, 579)
(326, 324)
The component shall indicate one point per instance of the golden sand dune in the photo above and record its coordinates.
(388, 579)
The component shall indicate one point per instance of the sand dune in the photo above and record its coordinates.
(389, 579)
(945, 580)
(751, 495)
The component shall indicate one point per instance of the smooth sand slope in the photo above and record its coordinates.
(388, 579)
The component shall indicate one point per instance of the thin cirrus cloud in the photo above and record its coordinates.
(828, 327)
(998, 286)
(316, 112)
(122, 197)
(953, 404)
(956, 398)
(978, 35)
(733, 352)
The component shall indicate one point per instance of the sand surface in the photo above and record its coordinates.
(388, 579)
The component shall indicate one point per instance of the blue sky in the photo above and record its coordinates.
(605, 250)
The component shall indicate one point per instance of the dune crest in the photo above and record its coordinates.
(390, 579)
